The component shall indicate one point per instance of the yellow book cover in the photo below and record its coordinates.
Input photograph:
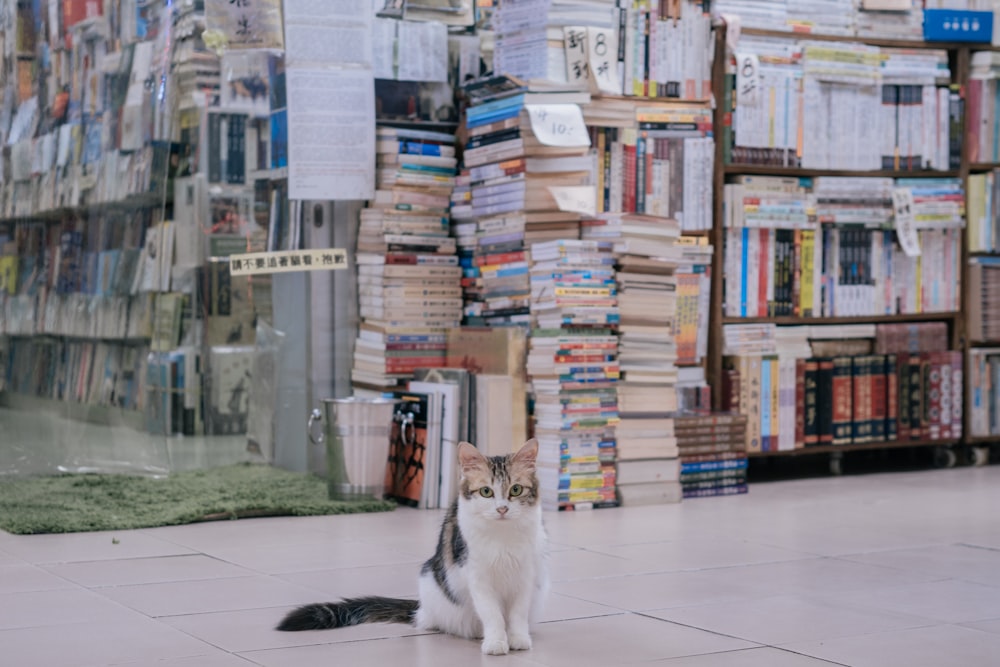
(8, 274)
(807, 288)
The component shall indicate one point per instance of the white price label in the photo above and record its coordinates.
(906, 229)
(575, 198)
(558, 124)
(747, 79)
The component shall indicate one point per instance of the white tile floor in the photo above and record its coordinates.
(879, 570)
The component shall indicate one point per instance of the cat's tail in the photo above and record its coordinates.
(353, 611)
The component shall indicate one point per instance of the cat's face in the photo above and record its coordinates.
(499, 488)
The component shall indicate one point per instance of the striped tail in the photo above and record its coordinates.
(353, 611)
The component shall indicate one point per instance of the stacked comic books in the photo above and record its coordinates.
(408, 274)
(573, 367)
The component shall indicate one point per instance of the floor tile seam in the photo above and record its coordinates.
(983, 547)
(926, 623)
(220, 577)
(244, 654)
(160, 617)
(695, 627)
(689, 570)
(934, 577)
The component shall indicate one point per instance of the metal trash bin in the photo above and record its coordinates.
(356, 432)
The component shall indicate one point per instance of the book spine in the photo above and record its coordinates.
(891, 398)
(800, 403)
(844, 388)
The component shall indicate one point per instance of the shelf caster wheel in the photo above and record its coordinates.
(837, 464)
(944, 458)
(980, 456)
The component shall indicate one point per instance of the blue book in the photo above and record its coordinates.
(503, 104)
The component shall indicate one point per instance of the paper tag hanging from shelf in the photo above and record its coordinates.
(602, 55)
(747, 79)
(906, 229)
(575, 198)
(558, 124)
(575, 48)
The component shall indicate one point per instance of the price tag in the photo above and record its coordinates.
(602, 55)
(558, 124)
(906, 229)
(575, 198)
(575, 47)
(747, 79)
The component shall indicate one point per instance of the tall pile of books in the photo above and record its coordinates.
(408, 274)
(712, 454)
(519, 143)
(647, 258)
(573, 369)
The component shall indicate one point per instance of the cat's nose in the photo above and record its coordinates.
(502, 509)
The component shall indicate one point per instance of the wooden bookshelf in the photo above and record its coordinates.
(771, 170)
(855, 447)
(861, 319)
(959, 61)
(870, 41)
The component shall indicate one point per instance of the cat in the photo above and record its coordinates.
(488, 576)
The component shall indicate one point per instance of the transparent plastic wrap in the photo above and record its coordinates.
(264, 391)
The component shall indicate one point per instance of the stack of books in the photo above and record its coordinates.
(891, 24)
(408, 274)
(573, 370)
(712, 455)
(648, 470)
(647, 258)
(984, 392)
(520, 144)
(984, 295)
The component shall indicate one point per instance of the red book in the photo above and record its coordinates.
(800, 403)
(764, 272)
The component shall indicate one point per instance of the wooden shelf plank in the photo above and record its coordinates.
(856, 447)
(982, 439)
(862, 319)
(771, 170)
(871, 41)
(984, 166)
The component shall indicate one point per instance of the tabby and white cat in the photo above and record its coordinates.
(488, 576)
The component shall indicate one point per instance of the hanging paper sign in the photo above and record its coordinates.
(575, 198)
(245, 24)
(602, 55)
(558, 124)
(747, 79)
(906, 229)
(575, 48)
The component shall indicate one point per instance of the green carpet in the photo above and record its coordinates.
(78, 503)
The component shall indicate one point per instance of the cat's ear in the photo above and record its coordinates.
(469, 457)
(528, 453)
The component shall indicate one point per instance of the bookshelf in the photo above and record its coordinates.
(110, 286)
(956, 165)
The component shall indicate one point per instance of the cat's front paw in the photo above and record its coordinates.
(519, 642)
(495, 646)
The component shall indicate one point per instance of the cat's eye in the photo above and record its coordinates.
(486, 492)
(516, 490)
